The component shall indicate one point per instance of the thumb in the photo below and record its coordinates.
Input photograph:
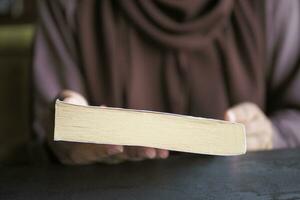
(73, 98)
(243, 112)
(230, 116)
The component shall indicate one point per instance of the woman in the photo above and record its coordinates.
(233, 60)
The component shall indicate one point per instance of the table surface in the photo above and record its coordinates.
(261, 175)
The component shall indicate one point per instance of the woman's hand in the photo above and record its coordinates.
(80, 153)
(259, 129)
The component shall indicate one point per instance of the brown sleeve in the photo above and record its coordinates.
(283, 36)
(56, 62)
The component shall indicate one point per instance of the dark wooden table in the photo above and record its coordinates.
(261, 175)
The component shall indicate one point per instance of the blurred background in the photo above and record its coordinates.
(17, 27)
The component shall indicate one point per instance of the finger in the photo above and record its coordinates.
(239, 113)
(256, 126)
(75, 101)
(132, 153)
(82, 154)
(115, 159)
(146, 152)
(242, 113)
(90, 153)
(162, 153)
(253, 144)
(140, 153)
(113, 149)
(73, 97)
(262, 141)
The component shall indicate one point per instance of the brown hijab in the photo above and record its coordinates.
(191, 57)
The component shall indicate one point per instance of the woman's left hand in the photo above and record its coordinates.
(259, 128)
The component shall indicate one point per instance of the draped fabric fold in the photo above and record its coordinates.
(197, 57)
(155, 22)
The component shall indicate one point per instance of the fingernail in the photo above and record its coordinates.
(164, 154)
(115, 150)
(150, 153)
(231, 116)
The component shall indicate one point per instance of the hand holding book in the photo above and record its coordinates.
(82, 153)
(259, 128)
(139, 132)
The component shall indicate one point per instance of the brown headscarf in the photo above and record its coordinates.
(191, 57)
